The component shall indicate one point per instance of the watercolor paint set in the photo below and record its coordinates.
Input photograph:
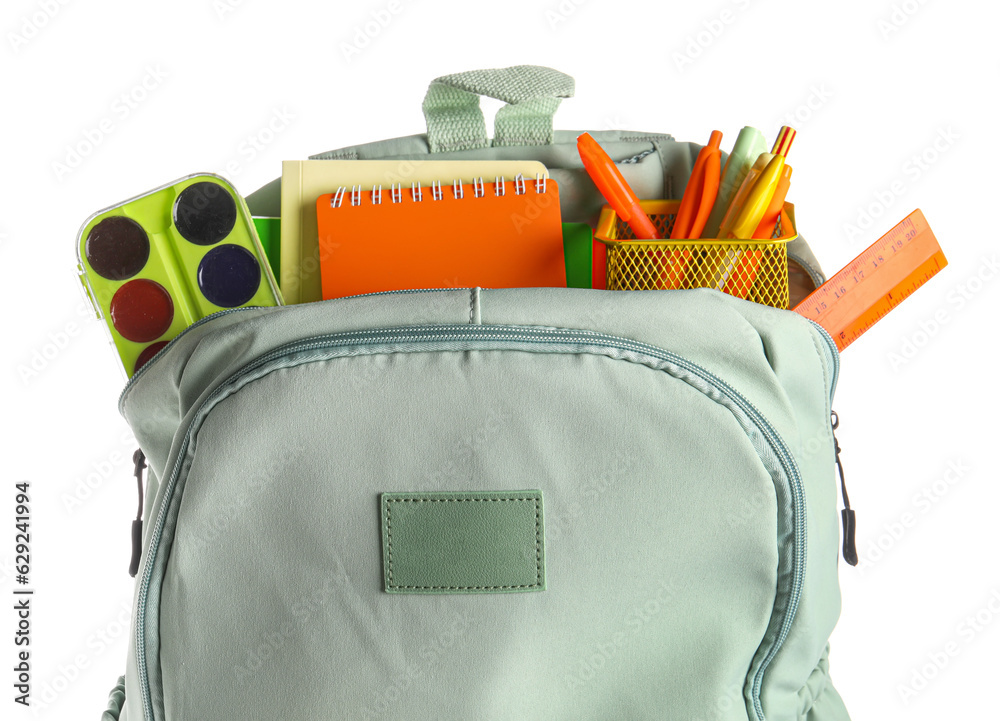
(157, 263)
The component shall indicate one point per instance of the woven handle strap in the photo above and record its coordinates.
(532, 93)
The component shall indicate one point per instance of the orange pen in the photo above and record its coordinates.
(699, 195)
(616, 191)
(696, 205)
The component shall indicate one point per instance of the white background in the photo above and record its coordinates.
(895, 107)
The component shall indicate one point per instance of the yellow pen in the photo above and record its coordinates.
(752, 198)
(758, 199)
(733, 274)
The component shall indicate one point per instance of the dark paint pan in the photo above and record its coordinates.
(165, 259)
(204, 213)
(117, 248)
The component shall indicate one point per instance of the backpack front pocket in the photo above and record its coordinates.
(673, 534)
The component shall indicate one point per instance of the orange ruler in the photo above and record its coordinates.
(871, 285)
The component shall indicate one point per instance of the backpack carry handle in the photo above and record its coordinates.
(532, 93)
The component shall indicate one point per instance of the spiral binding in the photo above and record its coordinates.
(437, 190)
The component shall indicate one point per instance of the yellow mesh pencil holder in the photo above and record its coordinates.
(756, 270)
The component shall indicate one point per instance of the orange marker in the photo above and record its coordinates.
(699, 195)
(696, 205)
(616, 191)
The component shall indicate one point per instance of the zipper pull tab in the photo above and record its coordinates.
(139, 459)
(846, 514)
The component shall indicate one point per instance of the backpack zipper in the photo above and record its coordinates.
(145, 366)
(139, 459)
(847, 517)
(832, 355)
(474, 337)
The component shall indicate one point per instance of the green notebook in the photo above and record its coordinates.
(578, 247)
(269, 232)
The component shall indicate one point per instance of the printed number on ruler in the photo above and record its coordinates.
(875, 282)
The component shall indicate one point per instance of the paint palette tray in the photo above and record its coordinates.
(157, 263)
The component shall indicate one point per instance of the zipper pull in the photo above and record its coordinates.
(139, 459)
(846, 514)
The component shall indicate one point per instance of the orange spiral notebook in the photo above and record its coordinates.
(494, 234)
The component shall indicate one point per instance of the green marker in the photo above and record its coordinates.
(749, 145)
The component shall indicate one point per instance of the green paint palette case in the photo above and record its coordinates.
(161, 261)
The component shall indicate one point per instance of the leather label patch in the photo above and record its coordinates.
(466, 542)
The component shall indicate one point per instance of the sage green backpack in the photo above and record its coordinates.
(490, 504)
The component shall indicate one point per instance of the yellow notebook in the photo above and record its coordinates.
(303, 181)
